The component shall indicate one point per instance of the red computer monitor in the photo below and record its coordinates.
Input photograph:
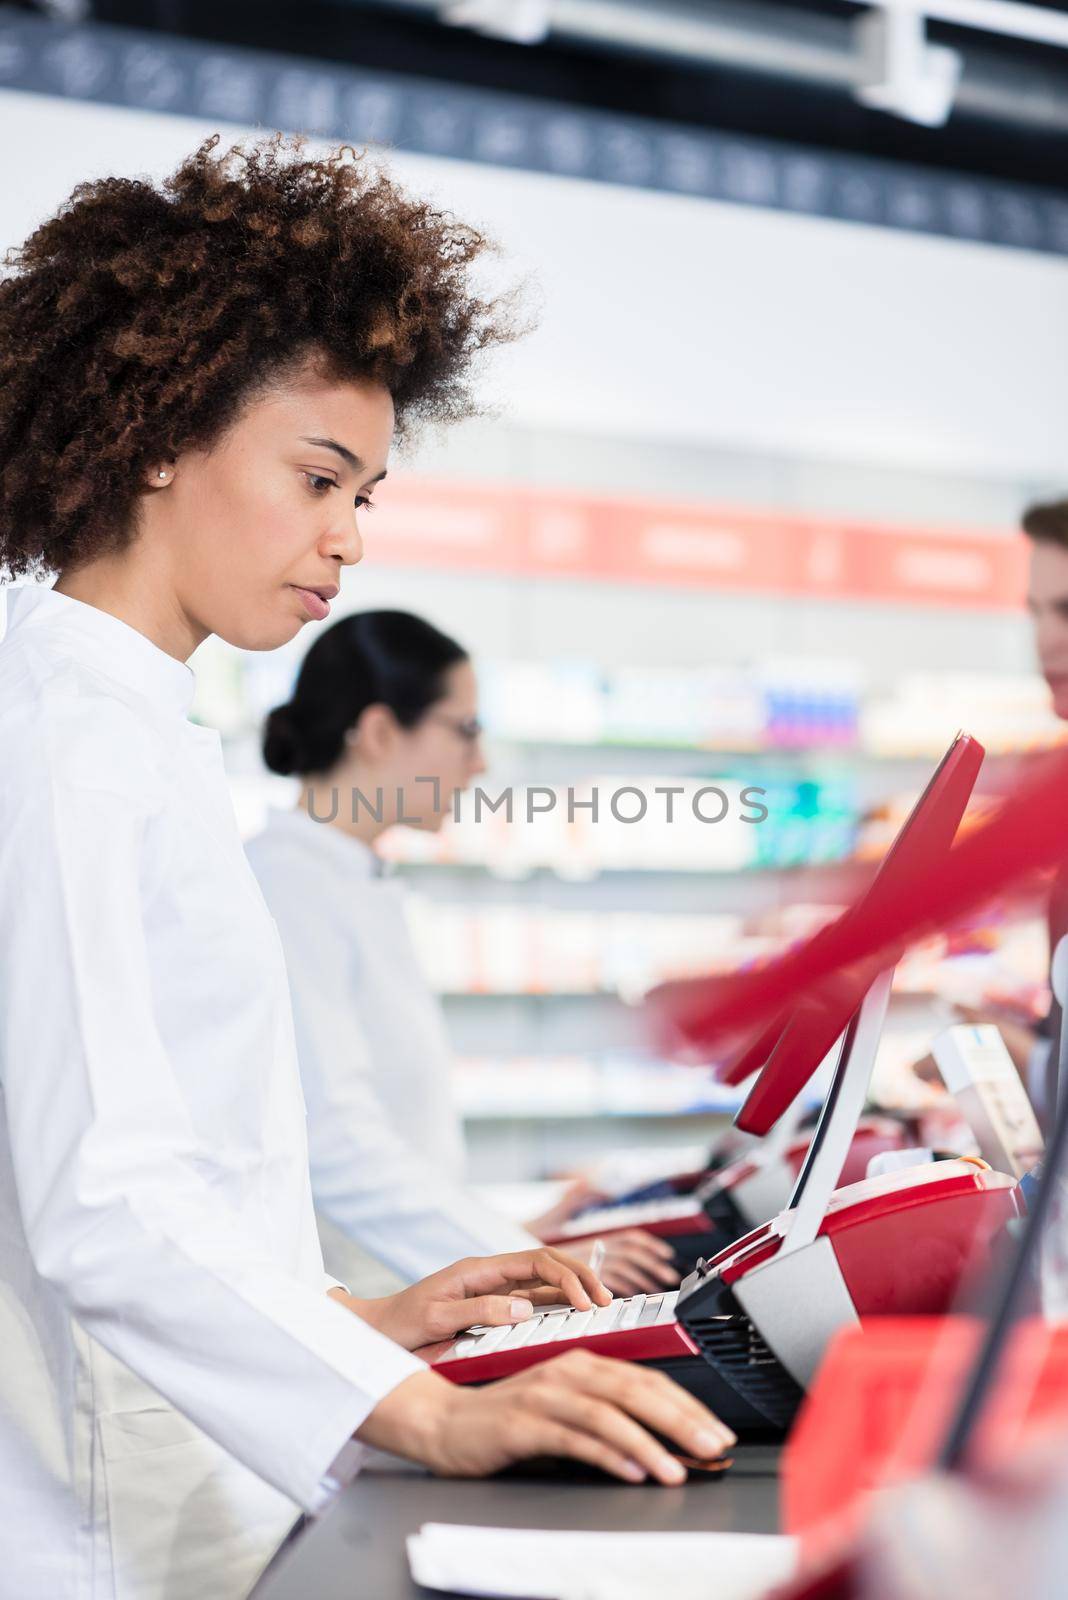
(803, 1040)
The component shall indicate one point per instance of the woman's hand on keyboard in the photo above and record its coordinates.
(583, 1407)
(489, 1290)
(634, 1262)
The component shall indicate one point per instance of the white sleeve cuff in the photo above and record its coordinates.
(343, 1469)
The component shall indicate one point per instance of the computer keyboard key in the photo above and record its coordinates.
(576, 1325)
(632, 1310)
(519, 1334)
(606, 1317)
(547, 1330)
(493, 1338)
(467, 1346)
(667, 1308)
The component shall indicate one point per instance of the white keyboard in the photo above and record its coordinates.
(565, 1322)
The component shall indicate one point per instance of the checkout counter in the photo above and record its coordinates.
(358, 1547)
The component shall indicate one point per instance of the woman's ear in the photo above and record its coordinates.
(159, 475)
(373, 734)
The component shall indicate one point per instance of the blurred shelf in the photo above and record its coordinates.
(482, 869)
(550, 1113)
(531, 994)
(737, 752)
(532, 1111)
(902, 993)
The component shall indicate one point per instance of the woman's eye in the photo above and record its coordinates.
(319, 484)
(364, 503)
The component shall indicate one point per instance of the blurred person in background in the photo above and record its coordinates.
(383, 726)
(1033, 1049)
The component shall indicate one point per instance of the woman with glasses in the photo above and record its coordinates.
(383, 730)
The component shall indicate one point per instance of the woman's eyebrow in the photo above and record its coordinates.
(345, 453)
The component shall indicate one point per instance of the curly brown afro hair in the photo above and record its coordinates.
(136, 322)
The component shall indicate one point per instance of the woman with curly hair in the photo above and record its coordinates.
(199, 385)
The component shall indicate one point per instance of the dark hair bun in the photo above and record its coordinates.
(281, 743)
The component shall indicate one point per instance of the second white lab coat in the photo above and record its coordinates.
(384, 1134)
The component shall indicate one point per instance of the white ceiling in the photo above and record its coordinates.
(662, 316)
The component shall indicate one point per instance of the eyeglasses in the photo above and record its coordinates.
(469, 729)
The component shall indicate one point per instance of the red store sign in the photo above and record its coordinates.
(556, 534)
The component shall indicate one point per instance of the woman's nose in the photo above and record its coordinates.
(345, 544)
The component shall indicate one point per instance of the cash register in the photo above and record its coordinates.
(979, 1520)
(747, 1328)
(702, 1216)
(701, 1213)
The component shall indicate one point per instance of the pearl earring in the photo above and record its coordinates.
(162, 473)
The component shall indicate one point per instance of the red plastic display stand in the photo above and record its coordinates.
(881, 1403)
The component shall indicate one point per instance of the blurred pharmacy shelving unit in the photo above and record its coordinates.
(542, 919)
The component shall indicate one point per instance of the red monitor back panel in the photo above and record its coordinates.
(924, 838)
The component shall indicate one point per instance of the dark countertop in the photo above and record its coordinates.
(357, 1551)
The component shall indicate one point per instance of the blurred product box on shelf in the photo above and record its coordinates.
(787, 704)
(810, 704)
(536, 701)
(1006, 711)
(809, 822)
(530, 949)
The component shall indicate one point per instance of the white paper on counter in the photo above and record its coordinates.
(529, 1564)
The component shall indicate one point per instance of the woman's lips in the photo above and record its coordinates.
(317, 607)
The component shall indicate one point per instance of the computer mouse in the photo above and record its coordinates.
(564, 1468)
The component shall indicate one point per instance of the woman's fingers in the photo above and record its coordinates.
(549, 1438)
(629, 1411)
(447, 1317)
(617, 1416)
(612, 1427)
(634, 1261)
(625, 1278)
(575, 1281)
(633, 1253)
(652, 1399)
(648, 1243)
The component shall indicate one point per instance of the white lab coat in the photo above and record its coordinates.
(384, 1134)
(174, 1383)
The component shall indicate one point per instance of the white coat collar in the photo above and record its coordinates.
(350, 854)
(101, 641)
